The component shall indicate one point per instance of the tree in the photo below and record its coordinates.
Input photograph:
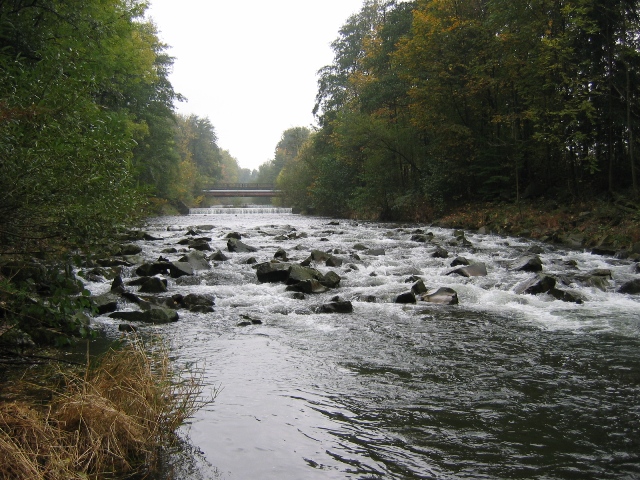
(76, 80)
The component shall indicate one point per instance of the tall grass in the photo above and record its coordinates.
(109, 421)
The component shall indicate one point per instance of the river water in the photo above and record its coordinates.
(500, 386)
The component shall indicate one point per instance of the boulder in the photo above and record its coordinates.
(366, 298)
(127, 328)
(273, 272)
(535, 285)
(419, 287)
(180, 269)
(442, 296)
(360, 247)
(599, 279)
(334, 262)
(154, 315)
(406, 297)
(319, 256)
(298, 273)
(235, 245)
(375, 252)
(565, 296)
(151, 269)
(129, 249)
(113, 262)
(440, 253)
(632, 287)
(421, 238)
(529, 264)
(117, 286)
(307, 286)
(201, 244)
(218, 256)
(197, 260)
(474, 270)
(330, 280)
(235, 235)
(336, 307)
(460, 261)
(105, 303)
(281, 255)
(153, 285)
(198, 303)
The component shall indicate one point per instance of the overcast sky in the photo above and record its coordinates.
(250, 66)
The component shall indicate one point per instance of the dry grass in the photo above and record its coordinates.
(110, 420)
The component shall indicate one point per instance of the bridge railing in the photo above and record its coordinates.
(240, 186)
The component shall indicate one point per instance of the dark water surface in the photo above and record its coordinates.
(501, 386)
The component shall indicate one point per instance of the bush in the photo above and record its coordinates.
(111, 419)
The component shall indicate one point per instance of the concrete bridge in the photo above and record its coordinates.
(241, 190)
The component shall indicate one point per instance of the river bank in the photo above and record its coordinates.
(611, 225)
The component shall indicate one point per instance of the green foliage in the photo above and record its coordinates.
(200, 158)
(432, 102)
(83, 86)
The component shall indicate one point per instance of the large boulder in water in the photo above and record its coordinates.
(153, 285)
(406, 297)
(443, 296)
(198, 303)
(474, 270)
(197, 260)
(440, 253)
(151, 269)
(536, 285)
(235, 245)
(330, 280)
(631, 287)
(180, 269)
(298, 273)
(419, 287)
(273, 272)
(529, 264)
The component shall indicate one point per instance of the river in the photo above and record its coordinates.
(501, 386)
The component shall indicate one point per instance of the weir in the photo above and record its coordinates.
(239, 211)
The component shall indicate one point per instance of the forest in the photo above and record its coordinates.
(427, 104)
(431, 103)
(89, 135)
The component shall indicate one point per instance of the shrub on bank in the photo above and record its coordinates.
(112, 419)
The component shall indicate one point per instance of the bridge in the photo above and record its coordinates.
(241, 190)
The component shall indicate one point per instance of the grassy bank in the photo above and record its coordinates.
(608, 223)
(111, 419)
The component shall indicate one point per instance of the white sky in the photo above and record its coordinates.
(250, 66)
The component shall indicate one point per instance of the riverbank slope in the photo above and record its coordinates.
(610, 224)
